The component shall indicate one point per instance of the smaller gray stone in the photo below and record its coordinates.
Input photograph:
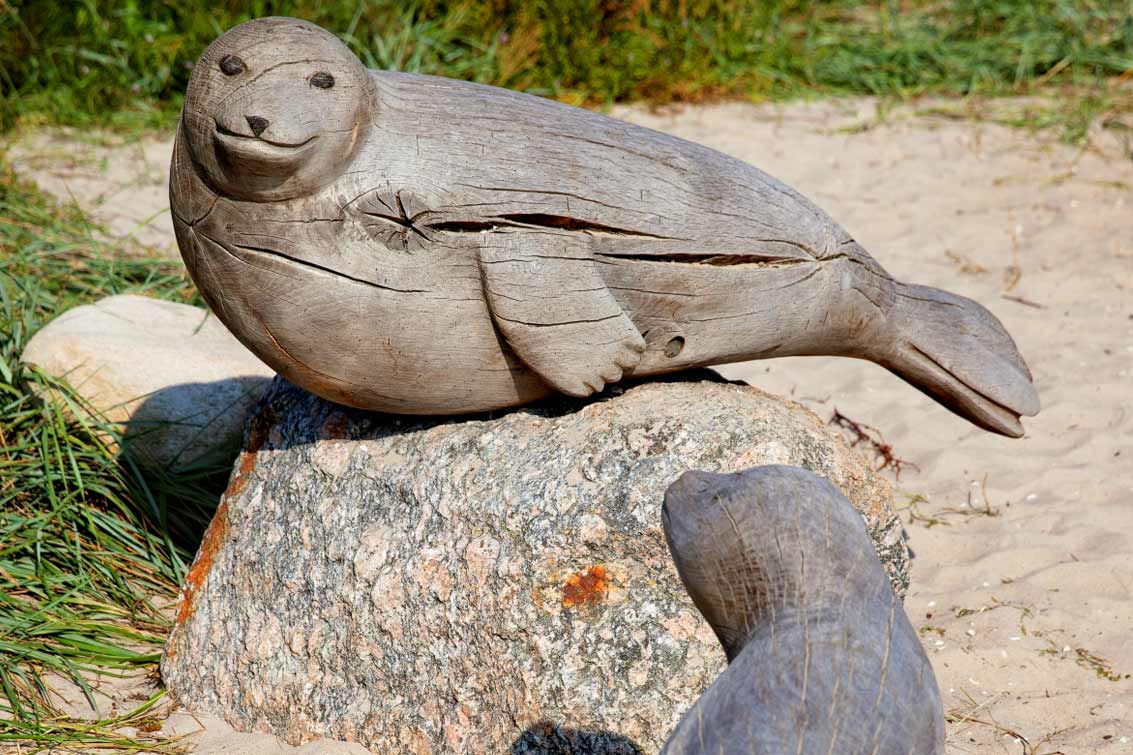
(177, 381)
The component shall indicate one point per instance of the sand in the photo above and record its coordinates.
(122, 181)
(1022, 579)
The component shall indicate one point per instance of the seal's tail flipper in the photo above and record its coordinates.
(959, 353)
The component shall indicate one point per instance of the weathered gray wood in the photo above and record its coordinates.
(364, 263)
(822, 658)
(553, 307)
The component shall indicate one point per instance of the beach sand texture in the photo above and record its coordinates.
(1023, 579)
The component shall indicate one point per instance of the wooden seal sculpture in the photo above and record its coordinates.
(414, 244)
(821, 657)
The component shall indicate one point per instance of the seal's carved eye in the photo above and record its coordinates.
(322, 80)
(230, 65)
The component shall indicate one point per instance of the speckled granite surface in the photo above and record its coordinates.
(477, 585)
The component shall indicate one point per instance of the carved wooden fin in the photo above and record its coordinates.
(553, 308)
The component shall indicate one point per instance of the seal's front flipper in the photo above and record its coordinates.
(555, 311)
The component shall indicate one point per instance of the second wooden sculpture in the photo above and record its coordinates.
(413, 244)
(821, 656)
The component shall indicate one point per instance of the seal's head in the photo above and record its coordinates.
(275, 109)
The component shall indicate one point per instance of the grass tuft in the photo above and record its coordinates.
(91, 551)
(82, 62)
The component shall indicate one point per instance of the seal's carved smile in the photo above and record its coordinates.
(273, 119)
(257, 154)
(228, 136)
(414, 244)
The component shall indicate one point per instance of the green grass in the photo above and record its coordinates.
(82, 62)
(90, 549)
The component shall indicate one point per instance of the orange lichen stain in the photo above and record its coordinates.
(214, 537)
(217, 530)
(257, 436)
(585, 589)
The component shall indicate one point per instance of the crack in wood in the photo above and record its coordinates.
(329, 271)
(533, 220)
(537, 220)
(557, 323)
(407, 224)
(713, 259)
(403, 220)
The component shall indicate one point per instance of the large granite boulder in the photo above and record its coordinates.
(170, 374)
(477, 585)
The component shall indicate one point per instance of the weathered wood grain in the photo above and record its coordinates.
(821, 657)
(419, 245)
(551, 304)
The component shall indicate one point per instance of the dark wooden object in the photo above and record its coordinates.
(822, 658)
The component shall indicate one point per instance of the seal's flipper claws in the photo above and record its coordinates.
(555, 312)
(956, 351)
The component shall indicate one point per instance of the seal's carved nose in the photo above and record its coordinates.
(256, 123)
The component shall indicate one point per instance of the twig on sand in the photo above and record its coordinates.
(1021, 300)
(938, 517)
(1087, 660)
(967, 715)
(915, 513)
(872, 437)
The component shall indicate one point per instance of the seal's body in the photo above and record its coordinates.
(419, 245)
(821, 657)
